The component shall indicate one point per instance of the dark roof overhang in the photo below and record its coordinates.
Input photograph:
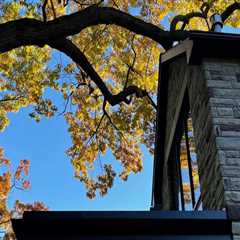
(201, 45)
(124, 224)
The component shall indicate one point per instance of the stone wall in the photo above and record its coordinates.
(208, 156)
(214, 97)
(223, 83)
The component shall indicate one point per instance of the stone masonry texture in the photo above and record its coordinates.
(214, 96)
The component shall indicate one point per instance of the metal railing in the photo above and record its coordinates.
(189, 188)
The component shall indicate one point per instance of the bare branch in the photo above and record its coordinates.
(72, 92)
(130, 68)
(10, 99)
(151, 101)
(205, 9)
(79, 58)
(111, 122)
(4, 222)
(44, 6)
(96, 130)
(53, 9)
(44, 10)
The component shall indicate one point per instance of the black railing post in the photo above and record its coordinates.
(157, 185)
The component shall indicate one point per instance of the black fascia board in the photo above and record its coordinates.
(112, 223)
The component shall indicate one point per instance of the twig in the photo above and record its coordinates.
(130, 68)
(53, 9)
(110, 120)
(44, 10)
(91, 89)
(10, 99)
(151, 101)
(4, 222)
(97, 128)
(205, 9)
(14, 185)
(75, 53)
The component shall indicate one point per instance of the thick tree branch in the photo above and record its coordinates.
(229, 10)
(67, 47)
(27, 31)
(44, 10)
(184, 19)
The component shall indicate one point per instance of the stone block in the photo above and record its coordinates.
(236, 111)
(228, 143)
(219, 84)
(230, 122)
(221, 156)
(227, 183)
(237, 75)
(224, 112)
(225, 93)
(221, 102)
(229, 69)
(233, 161)
(230, 134)
(235, 184)
(236, 237)
(231, 184)
(230, 171)
(236, 228)
(228, 127)
(211, 66)
(232, 154)
(235, 84)
(232, 197)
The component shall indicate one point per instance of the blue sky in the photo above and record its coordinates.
(51, 173)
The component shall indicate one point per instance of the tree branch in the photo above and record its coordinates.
(67, 47)
(185, 19)
(105, 113)
(130, 67)
(27, 31)
(44, 10)
(53, 9)
(10, 99)
(152, 102)
(229, 10)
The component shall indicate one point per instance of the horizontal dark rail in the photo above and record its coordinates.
(91, 225)
(132, 215)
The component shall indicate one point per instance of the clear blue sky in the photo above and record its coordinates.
(51, 173)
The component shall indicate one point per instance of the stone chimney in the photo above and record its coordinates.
(203, 70)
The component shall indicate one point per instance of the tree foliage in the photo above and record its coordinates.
(9, 181)
(109, 85)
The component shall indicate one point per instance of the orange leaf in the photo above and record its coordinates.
(26, 184)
